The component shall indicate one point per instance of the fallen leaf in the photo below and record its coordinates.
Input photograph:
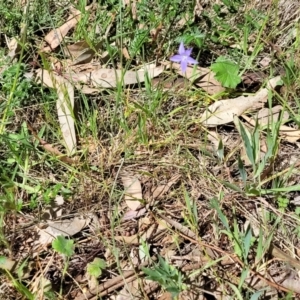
(250, 78)
(133, 190)
(265, 62)
(202, 77)
(214, 138)
(64, 106)
(266, 115)
(224, 111)
(291, 284)
(54, 210)
(155, 32)
(135, 238)
(92, 282)
(56, 36)
(132, 4)
(49, 148)
(198, 8)
(183, 20)
(81, 52)
(109, 78)
(131, 240)
(287, 133)
(130, 291)
(7, 264)
(40, 286)
(14, 48)
(74, 50)
(133, 214)
(296, 201)
(166, 296)
(159, 191)
(125, 53)
(87, 90)
(87, 67)
(65, 227)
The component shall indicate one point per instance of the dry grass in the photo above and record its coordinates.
(197, 211)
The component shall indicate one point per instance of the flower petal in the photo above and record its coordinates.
(188, 52)
(181, 49)
(183, 65)
(176, 58)
(191, 61)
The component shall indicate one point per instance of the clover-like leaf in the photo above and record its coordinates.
(63, 246)
(226, 72)
(96, 266)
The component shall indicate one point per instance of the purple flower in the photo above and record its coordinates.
(183, 57)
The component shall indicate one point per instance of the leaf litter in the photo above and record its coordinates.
(156, 212)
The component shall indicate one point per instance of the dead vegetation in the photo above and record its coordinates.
(124, 178)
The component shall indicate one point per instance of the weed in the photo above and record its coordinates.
(167, 276)
(151, 129)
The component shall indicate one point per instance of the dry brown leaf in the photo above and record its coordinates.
(74, 50)
(133, 190)
(125, 53)
(265, 62)
(132, 4)
(56, 36)
(14, 48)
(87, 90)
(251, 78)
(183, 20)
(109, 78)
(191, 295)
(64, 106)
(291, 284)
(159, 191)
(287, 133)
(130, 291)
(7, 264)
(224, 111)
(49, 148)
(80, 52)
(202, 77)
(166, 296)
(198, 8)
(134, 239)
(88, 67)
(92, 282)
(278, 253)
(65, 227)
(133, 214)
(131, 240)
(214, 138)
(54, 210)
(266, 115)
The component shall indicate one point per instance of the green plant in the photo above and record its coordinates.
(63, 246)
(24, 86)
(8, 266)
(283, 202)
(66, 248)
(252, 144)
(96, 267)
(242, 241)
(191, 214)
(167, 276)
(226, 72)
